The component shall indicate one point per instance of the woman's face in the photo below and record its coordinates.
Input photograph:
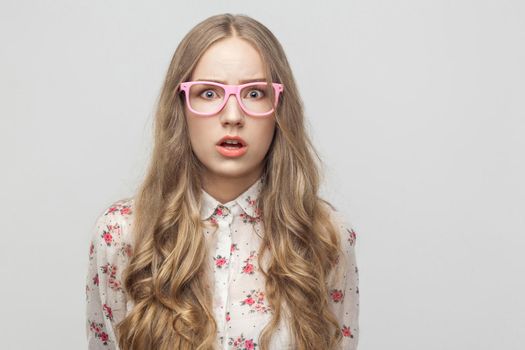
(230, 61)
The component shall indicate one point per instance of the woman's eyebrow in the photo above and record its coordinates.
(240, 82)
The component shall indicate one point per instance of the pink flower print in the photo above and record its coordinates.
(126, 210)
(255, 301)
(220, 261)
(115, 229)
(97, 328)
(249, 344)
(252, 203)
(240, 343)
(351, 236)
(221, 210)
(110, 232)
(247, 219)
(108, 238)
(94, 327)
(123, 209)
(114, 284)
(91, 250)
(248, 266)
(95, 279)
(104, 337)
(126, 250)
(337, 295)
(228, 316)
(111, 271)
(346, 331)
(112, 209)
(107, 311)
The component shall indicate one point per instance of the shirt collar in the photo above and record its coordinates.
(248, 201)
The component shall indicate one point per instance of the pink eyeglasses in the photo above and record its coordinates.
(208, 97)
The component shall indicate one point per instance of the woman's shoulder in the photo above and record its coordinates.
(342, 221)
(122, 208)
(112, 233)
(345, 272)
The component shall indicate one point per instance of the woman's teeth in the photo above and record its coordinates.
(227, 145)
(231, 144)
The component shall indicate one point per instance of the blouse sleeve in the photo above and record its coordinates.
(105, 297)
(344, 286)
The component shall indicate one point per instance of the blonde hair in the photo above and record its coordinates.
(166, 277)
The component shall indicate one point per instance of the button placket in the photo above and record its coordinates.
(224, 219)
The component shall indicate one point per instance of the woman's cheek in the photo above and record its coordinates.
(199, 134)
(267, 139)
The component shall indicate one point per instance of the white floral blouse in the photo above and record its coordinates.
(241, 309)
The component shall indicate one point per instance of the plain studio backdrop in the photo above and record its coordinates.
(417, 108)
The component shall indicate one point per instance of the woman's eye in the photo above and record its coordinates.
(255, 93)
(208, 94)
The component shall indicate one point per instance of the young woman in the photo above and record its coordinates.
(226, 244)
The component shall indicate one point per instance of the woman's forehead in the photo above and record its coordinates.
(231, 60)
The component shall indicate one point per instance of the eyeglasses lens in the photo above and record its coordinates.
(207, 98)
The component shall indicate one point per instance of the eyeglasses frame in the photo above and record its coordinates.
(230, 90)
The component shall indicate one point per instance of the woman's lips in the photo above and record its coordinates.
(231, 152)
(232, 137)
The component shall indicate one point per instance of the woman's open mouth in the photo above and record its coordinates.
(231, 146)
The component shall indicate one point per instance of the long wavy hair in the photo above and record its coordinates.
(165, 278)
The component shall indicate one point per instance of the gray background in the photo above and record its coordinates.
(416, 107)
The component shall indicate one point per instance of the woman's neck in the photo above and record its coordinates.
(225, 189)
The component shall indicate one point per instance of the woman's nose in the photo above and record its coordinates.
(232, 112)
